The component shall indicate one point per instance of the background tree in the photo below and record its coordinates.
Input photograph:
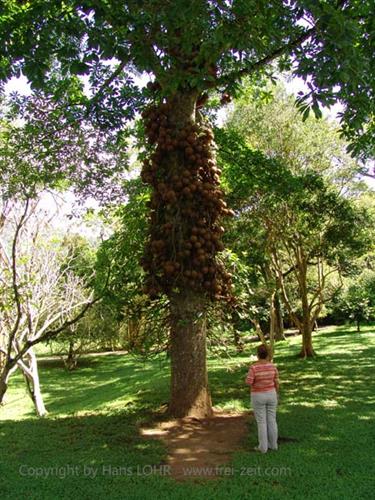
(313, 237)
(142, 324)
(248, 175)
(40, 295)
(97, 331)
(357, 301)
(188, 48)
(88, 333)
(306, 230)
(269, 120)
(40, 148)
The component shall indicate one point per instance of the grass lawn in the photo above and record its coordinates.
(327, 405)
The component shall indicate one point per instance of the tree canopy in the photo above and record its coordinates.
(295, 228)
(196, 45)
(267, 116)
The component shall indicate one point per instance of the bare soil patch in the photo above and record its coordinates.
(201, 448)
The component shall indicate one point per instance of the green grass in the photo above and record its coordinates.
(327, 405)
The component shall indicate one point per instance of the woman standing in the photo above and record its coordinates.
(263, 379)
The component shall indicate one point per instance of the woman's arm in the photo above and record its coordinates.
(250, 376)
(276, 380)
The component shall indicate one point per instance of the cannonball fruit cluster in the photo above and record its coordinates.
(185, 207)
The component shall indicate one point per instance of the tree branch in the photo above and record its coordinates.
(53, 333)
(281, 286)
(105, 85)
(14, 277)
(293, 44)
(268, 58)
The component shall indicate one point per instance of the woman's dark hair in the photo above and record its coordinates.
(262, 351)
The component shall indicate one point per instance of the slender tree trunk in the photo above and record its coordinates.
(307, 324)
(3, 385)
(307, 346)
(279, 320)
(71, 360)
(236, 336)
(276, 319)
(237, 341)
(272, 324)
(190, 395)
(307, 349)
(358, 326)
(259, 331)
(276, 316)
(5, 374)
(33, 383)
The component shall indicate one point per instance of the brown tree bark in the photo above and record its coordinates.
(190, 395)
(276, 316)
(307, 349)
(279, 321)
(307, 323)
(71, 360)
(237, 341)
(3, 389)
(184, 238)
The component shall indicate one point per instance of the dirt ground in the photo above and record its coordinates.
(201, 448)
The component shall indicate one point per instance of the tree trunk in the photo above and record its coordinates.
(307, 322)
(279, 320)
(33, 384)
(358, 326)
(236, 336)
(237, 341)
(3, 386)
(180, 255)
(71, 360)
(272, 325)
(3, 371)
(307, 349)
(276, 316)
(6, 372)
(190, 394)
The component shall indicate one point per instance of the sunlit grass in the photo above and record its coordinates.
(327, 412)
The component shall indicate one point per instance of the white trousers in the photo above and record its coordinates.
(264, 405)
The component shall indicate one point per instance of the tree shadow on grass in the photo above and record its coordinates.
(51, 458)
(326, 403)
(99, 384)
(58, 363)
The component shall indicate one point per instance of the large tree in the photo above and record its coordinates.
(40, 294)
(188, 49)
(265, 116)
(298, 230)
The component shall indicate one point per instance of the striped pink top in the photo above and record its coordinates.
(262, 377)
